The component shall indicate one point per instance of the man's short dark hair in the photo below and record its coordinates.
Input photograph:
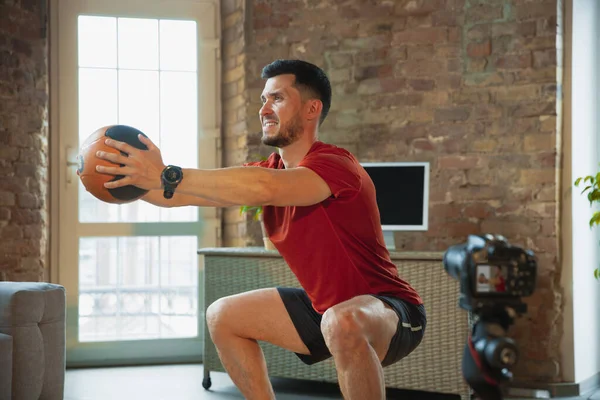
(309, 79)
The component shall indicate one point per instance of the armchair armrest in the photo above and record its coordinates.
(6, 351)
(33, 314)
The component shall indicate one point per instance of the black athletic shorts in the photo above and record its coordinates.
(411, 326)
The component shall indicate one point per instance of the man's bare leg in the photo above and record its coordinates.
(236, 323)
(358, 333)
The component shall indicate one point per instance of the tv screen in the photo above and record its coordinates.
(402, 194)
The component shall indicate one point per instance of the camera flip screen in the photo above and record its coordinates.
(491, 279)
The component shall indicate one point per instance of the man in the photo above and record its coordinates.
(320, 212)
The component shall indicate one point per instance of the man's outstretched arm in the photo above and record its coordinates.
(256, 186)
(157, 198)
(252, 186)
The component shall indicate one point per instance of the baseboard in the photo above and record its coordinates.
(555, 390)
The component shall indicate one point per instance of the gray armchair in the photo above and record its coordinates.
(32, 341)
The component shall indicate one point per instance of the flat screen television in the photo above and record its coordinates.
(402, 194)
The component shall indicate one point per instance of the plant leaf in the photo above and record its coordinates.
(597, 273)
(584, 190)
(595, 220)
(577, 181)
(594, 195)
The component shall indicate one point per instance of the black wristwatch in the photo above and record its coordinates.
(171, 177)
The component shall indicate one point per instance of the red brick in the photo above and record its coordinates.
(455, 35)
(539, 141)
(476, 193)
(397, 100)
(479, 32)
(520, 227)
(449, 81)
(546, 159)
(471, 96)
(535, 10)
(445, 18)
(459, 162)
(534, 43)
(482, 49)
(478, 210)
(520, 61)
(431, 35)
(406, 8)
(452, 114)
(371, 42)
(422, 144)
(278, 21)
(461, 229)
(521, 29)
(537, 176)
(548, 124)
(549, 227)
(546, 26)
(420, 52)
(542, 75)
(516, 93)
(418, 68)
(443, 211)
(419, 21)
(421, 84)
(486, 111)
(436, 99)
(544, 58)
(484, 13)
(484, 79)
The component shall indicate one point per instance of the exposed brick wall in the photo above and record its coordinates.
(240, 141)
(234, 141)
(468, 85)
(23, 141)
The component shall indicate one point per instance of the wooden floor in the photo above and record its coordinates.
(184, 382)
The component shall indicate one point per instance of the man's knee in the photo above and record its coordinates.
(216, 316)
(343, 328)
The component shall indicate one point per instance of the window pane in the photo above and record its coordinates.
(97, 41)
(137, 288)
(138, 43)
(139, 101)
(178, 49)
(97, 100)
(179, 118)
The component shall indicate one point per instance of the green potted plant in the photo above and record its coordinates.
(591, 186)
(257, 210)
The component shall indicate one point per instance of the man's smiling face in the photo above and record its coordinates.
(281, 113)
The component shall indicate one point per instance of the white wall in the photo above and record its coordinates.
(581, 249)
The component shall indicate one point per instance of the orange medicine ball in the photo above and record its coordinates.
(87, 162)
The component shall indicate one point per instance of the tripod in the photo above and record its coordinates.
(489, 354)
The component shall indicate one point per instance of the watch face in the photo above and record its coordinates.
(173, 174)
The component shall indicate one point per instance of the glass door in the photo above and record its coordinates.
(131, 271)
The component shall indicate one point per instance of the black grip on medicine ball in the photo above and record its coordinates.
(129, 135)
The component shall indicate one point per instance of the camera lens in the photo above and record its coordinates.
(501, 352)
(454, 258)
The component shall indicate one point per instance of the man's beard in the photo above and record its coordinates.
(288, 134)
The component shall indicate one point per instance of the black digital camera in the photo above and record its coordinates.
(491, 272)
(494, 276)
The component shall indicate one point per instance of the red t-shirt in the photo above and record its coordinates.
(335, 248)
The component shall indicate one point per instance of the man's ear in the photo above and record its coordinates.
(314, 108)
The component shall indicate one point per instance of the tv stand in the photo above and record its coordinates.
(390, 243)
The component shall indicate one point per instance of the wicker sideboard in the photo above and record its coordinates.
(435, 366)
